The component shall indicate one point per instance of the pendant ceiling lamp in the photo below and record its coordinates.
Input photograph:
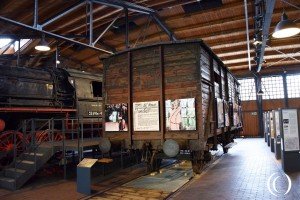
(285, 28)
(43, 45)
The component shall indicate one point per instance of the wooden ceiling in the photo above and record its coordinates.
(220, 24)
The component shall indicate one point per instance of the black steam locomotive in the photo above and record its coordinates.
(48, 92)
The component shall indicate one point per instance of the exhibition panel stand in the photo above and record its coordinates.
(84, 175)
(265, 126)
(290, 152)
(277, 141)
(272, 131)
(268, 127)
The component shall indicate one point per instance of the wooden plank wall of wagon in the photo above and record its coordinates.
(146, 83)
(206, 95)
(116, 88)
(206, 87)
(230, 87)
(223, 82)
(182, 76)
(217, 73)
(204, 64)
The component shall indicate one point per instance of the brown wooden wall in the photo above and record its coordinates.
(250, 125)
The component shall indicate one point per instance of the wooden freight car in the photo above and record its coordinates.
(170, 96)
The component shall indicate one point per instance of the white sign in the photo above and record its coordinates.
(146, 116)
(290, 129)
(277, 123)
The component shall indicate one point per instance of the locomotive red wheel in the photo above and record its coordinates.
(7, 141)
(2, 125)
(43, 136)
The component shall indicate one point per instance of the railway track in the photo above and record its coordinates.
(153, 186)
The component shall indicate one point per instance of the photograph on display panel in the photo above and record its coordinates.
(146, 116)
(116, 117)
(180, 114)
(220, 113)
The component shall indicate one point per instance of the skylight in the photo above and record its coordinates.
(15, 45)
(4, 42)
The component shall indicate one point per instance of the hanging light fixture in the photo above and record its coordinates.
(43, 45)
(260, 92)
(285, 28)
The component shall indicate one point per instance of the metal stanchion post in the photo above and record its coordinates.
(24, 134)
(34, 141)
(92, 127)
(122, 157)
(15, 151)
(72, 128)
(78, 141)
(81, 138)
(64, 149)
(52, 135)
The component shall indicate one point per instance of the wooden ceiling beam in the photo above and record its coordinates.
(226, 32)
(268, 49)
(268, 58)
(283, 64)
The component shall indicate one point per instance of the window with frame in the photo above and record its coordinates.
(272, 87)
(247, 89)
(293, 85)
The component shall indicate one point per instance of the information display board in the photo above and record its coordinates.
(272, 128)
(146, 116)
(277, 142)
(290, 129)
(277, 123)
(87, 162)
(84, 175)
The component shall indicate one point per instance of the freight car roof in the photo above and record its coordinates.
(175, 42)
(87, 75)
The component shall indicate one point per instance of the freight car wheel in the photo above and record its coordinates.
(225, 150)
(197, 161)
(7, 145)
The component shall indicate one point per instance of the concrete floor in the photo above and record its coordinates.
(242, 174)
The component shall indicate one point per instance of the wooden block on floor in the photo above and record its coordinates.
(105, 160)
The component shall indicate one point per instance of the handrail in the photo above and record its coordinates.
(28, 127)
(32, 145)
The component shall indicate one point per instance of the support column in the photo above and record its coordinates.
(91, 22)
(35, 17)
(127, 28)
(259, 105)
(286, 100)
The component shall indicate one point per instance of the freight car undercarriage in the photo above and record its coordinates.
(153, 153)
